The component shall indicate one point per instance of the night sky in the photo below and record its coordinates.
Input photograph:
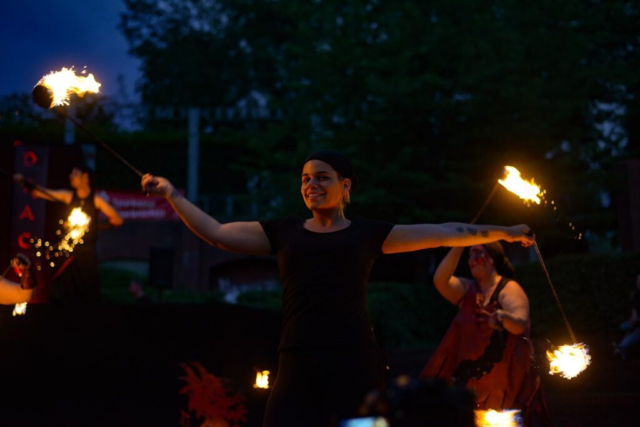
(40, 36)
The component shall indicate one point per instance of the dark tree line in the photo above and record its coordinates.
(430, 98)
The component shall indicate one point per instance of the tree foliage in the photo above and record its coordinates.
(430, 98)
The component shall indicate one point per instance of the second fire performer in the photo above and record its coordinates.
(77, 281)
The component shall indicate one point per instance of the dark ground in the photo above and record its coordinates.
(120, 366)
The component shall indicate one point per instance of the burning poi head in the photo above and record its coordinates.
(55, 88)
(528, 191)
(76, 225)
(569, 360)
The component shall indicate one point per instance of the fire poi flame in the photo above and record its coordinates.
(526, 190)
(55, 88)
(20, 309)
(493, 418)
(262, 380)
(569, 360)
(76, 225)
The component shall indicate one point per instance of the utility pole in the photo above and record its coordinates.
(193, 154)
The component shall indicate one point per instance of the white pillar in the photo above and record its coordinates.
(193, 154)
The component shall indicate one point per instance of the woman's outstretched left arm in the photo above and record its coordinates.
(408, 238)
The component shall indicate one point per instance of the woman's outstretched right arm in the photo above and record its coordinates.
(243, 237)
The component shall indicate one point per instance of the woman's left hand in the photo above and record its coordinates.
(522, 233)
(495, 319)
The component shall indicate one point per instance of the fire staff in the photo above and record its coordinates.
(77, 279)
(329, 358)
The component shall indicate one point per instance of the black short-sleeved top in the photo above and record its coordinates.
(324, 281)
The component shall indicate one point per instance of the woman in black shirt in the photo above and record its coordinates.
(329, 358)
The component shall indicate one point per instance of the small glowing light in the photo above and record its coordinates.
(493, 418)
(20, 309)
(262, 380)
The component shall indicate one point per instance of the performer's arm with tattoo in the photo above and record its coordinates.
(407, 238)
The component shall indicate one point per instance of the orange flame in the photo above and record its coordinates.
(77, 224)
(262, 380)
(527, 190)
(569, 360)
(493, 418)
(65, 82)
(20, 309)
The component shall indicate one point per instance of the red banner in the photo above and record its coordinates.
(28, 213)
(135, 206)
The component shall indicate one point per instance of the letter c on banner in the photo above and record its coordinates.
(23, 240)
(29, 158)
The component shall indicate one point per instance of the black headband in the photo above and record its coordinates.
(337, 161)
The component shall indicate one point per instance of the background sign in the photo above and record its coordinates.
(135, 206)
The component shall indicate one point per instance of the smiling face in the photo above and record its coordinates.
(322, 188)
(480, 262)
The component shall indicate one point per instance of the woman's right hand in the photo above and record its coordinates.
(156, 185)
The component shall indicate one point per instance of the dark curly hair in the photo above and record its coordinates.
(500, 260)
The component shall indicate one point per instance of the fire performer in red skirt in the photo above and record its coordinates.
(13, 292)
(77, 281)
(329, 357)
(487, 347)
